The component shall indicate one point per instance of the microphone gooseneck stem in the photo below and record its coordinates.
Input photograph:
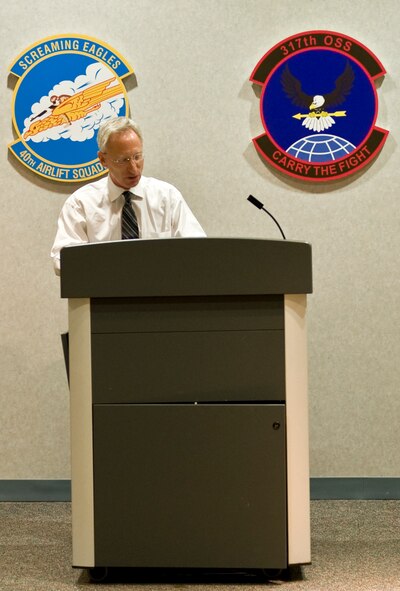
(276, 222)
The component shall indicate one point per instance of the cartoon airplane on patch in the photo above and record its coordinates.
(71, 108)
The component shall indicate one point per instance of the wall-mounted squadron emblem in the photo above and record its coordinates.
(67, 86)
(322, 83)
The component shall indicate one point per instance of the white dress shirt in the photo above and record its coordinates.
(93, 214)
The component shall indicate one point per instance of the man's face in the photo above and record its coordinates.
(123, 157)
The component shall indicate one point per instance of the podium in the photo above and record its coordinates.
(189, 414)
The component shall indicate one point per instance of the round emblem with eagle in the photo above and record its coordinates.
(319, 106)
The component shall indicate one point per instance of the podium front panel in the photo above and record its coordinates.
(190, 486)
(189, 367)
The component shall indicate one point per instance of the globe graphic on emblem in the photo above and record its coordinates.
(320, 148)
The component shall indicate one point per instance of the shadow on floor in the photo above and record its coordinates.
(190, 576)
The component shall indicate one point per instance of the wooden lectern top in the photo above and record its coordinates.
(185, 267)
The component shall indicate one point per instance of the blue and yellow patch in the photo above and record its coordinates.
(67, 86)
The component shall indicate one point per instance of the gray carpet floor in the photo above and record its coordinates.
(355, 547)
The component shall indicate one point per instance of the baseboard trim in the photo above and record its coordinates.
(378, 488)
(35, 490)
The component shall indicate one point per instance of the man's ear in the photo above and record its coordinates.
(102, 159)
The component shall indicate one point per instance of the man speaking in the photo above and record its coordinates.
(124, 204)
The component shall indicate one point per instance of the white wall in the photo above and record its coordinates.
(199, 112)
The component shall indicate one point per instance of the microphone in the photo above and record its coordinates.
(258, 204)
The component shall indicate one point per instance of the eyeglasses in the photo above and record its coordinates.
(136, 158)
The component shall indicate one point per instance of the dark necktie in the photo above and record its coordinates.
(129, 225)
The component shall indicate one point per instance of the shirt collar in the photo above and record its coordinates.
(114, 192)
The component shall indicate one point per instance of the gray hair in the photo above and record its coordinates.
(116, 125)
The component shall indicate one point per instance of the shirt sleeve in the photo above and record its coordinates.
(71, 230)
(184, 223)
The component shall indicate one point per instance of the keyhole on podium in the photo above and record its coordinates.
(276, 425)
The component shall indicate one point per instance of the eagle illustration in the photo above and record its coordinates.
(318, 117)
